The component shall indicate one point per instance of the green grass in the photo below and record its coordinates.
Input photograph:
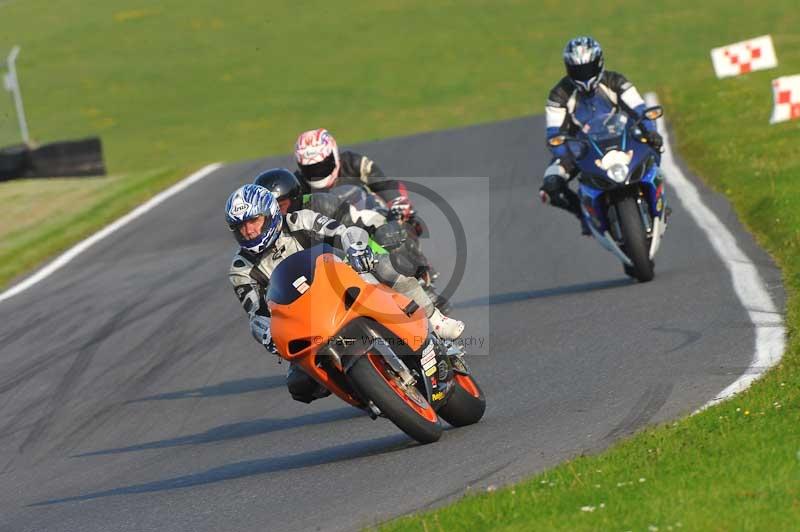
(173, 82)
(31, 228)
(172, 85)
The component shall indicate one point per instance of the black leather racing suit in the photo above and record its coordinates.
(357, 169)
(399, 239)
(360, 170)
(330, 205)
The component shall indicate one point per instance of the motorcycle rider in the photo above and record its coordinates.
(266, 237)
(320, 167)
(402, 243)
(288, 190)
(587, 85)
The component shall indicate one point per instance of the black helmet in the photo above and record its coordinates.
(583, 58)
(284, 186)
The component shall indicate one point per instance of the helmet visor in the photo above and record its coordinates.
(585, 72)
(259, 234)
(239, 227)
(320, 170)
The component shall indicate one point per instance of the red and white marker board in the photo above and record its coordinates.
(786, 93)
(743, 57)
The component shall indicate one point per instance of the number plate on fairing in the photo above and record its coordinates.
(428, 360)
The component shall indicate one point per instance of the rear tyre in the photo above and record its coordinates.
(406, 408)
(466, 404)
(635, 240)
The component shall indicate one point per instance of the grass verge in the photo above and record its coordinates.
(40, 218)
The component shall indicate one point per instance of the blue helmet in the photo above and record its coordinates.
(246, 203)
(583, 58)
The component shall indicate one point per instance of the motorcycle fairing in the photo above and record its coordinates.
(332, 305)
(653, 182)
(593, 207)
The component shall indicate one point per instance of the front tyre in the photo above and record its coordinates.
(635, 240)
(405, 407)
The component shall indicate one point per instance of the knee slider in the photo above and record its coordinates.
(553, 184)
(558, 193)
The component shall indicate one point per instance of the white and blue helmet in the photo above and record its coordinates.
(583, 58)
(246, 203)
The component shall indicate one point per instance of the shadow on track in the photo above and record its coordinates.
(216, 390)
(247, 468)
(234, 431)
(513, 297)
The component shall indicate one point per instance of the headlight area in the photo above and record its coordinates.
(618, 172)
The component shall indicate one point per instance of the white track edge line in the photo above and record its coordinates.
(770, 339)
(85, 244)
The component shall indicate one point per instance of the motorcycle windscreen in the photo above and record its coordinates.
(295, 274)
(593, 109)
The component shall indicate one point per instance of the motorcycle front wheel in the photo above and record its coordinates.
(405, 406)
(635, 240)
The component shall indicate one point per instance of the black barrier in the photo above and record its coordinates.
(67, 158)
(14, 161)
(71, 158)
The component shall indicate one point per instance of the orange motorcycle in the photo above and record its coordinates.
(369, 345)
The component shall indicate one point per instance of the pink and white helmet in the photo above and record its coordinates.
(317, 158)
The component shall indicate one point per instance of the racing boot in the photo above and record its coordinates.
(302, 387)
(585, 231)
(444, 327)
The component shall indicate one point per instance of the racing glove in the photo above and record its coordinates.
(555, 191)
(401, 208)
(361, 257)
(260, 329)
(654, 139)
(416, 224)
(356, 241)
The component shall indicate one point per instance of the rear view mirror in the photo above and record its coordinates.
(576, 146)
(654, 113)
(651, 113)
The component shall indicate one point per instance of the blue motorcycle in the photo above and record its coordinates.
(621, 186)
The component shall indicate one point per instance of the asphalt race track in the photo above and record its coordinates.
(133, 398)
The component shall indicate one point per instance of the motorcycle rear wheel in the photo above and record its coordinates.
(408, 409)
(635, 240)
